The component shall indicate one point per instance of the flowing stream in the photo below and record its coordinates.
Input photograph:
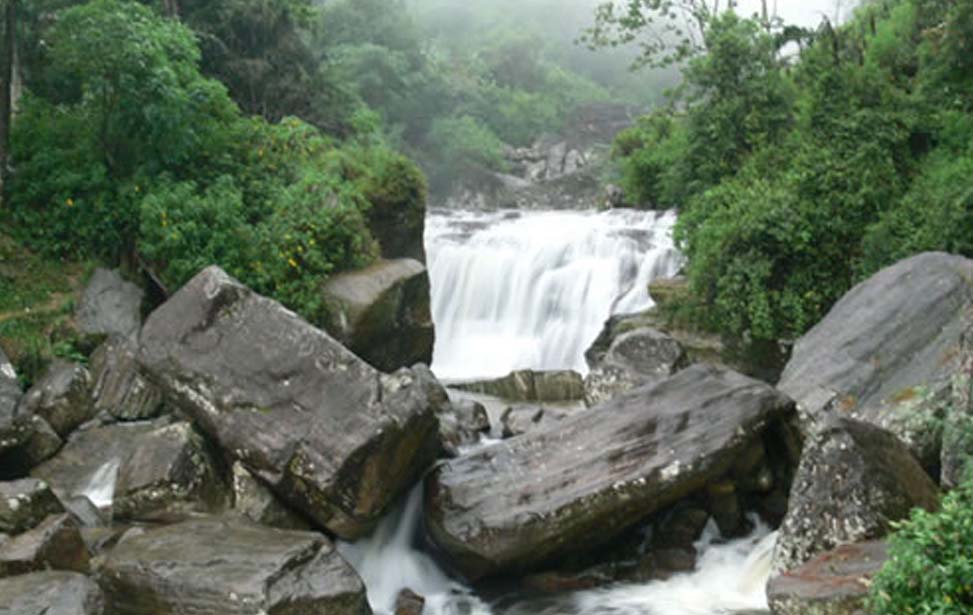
(517, 290)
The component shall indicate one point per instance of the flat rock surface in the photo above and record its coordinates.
(520, 503)
(833, 583)
(227, 566)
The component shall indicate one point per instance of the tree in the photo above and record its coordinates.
(7, 76)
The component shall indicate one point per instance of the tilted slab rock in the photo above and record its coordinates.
(51, 593)
(833, 583)
(853, 482)
(527, 385)
(634, 358)
(230, 567)
(119, 388)
(888, 347)
(523, 502)
(327, 432)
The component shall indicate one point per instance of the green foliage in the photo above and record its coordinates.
(930, 567)
(653, 155)
(462, 145)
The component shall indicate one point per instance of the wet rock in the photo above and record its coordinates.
(887, 350)
(25, 503)
(55, 544)
(833, 583)
(254, 501)
(328, 433)
(462, 423)
(382, 313)
(528, 386)
(51, 593)
(633, 359)
(853, 482)
(89, 462)
(724, 505)
(62, 397)
(518, 420)
(681, 528)
(409, 603)
(516, 505)
(26, 440)
(170, 472)
(119, 389)
(110, 305)
(669, 291)
(228, 566)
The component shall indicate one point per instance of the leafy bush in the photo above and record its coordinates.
(930, 567)
(651, 155)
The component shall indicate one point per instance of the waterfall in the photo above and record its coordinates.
(101, 486)
(531, 290)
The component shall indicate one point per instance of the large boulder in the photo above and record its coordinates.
(854, 481)
(51, 593)
(227, 566)
(119, 389)
(382, 313)
(25, 503)
(634, 358)
(833, 583)
(253, 501)
(62, 397)
(530, 386)
(887, 351)
(55, 544)
(524, 502)
(110, 305)
(327, 432)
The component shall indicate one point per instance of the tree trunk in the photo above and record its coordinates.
(171, 8)
(7, 78)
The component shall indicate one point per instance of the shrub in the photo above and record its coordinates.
(930, 566)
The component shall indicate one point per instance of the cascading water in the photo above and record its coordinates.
(101, 487)
(531, 290)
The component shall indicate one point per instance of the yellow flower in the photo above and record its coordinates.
(69, 202)
(292, 263)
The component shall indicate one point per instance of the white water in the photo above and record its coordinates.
(532, 290)
(101, 487)
(517, 290)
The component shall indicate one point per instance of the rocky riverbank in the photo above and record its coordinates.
(209, 459)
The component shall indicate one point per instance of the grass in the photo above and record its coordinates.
(37, 299)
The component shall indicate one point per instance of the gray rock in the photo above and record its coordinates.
(328, 433)
(119, 389)
(255, 502)
(854, 481)
(110, 306)
(9, 389)
(885, 349)
(516, 505)
(409, 603)
(957, 449)
(531, 386)
(51, 593)
(62, 397)
(382, 313)
(25, 503)
(169, 473)
(227, 566)
(462, 423)
(55, 544)
(633, 359)
(95, 452)
(833, 583)
(25, 441)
